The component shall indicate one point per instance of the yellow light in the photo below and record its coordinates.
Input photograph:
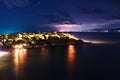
(73, 37)
(18, 46)
(24, 44)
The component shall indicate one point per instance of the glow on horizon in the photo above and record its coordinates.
(10, 31)
(84, 27)
(98, 42)
(73, 27)
(66, 27)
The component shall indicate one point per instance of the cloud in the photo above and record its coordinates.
(105, 29)
(64, 14)
(15, 3)
(88, 27)
(63, 21)
(113, 17)
(91, 11)
(61, 17)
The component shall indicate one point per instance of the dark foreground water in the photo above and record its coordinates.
(70, 62)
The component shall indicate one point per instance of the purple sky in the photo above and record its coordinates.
(60, 15)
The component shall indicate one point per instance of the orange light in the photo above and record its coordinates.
(71, 59)
(71, 53)
(19, 55)
(19, 60)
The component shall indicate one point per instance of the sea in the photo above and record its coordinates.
(97, 61)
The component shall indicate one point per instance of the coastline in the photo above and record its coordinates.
(40, 39)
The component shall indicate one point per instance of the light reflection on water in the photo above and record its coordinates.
(71, 60)
(62, 62)
(19, 61)
(44, 53)
(2, 53)
(71, 54)
(3, 57)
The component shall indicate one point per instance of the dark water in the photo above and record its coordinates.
(100, 37)
(70, 62)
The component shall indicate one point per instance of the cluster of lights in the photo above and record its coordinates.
(26, 40)
(18, 46)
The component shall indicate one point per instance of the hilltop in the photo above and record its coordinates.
(37, 39)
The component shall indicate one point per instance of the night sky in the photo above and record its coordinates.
(59, 15)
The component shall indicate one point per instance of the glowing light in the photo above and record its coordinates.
(3, 58)
(21, 54)
(87, 40)
(19, 61)
(68, 25)
(18, 46)
(101, 42)
(97, 42)
(73, 37)
(71, 59)
(3, 54)
(71, 53)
